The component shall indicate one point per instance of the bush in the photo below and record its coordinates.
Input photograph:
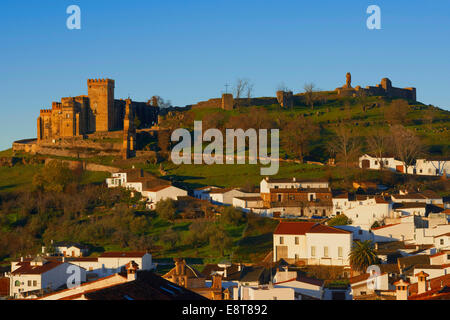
(233, 216)
(166, 209)
(339, 220)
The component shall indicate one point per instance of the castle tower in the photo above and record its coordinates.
(227, 101)
(129, 132)
(101, 96)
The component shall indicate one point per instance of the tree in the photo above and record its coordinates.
(160, 102)
(362, 255)
(164, 140)
(397, 112)
(310, 94)
(219, 240)
(297, 136)
(378, 142)
(233, 216)
(339, 220)
(405, 145)
(242, 87)
(166, 209)
(170, 237)
(54, 177)
(344, 145)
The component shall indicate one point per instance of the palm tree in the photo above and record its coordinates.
(362, 255)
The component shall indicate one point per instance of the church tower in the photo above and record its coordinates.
(129, 132)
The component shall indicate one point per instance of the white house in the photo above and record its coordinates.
(156, 194)
(304, 287)
(252, 203)
(152, 188)
(388, 162)
(313, 243)
(366, 284)
(67, 249)
(403, 230)
(41, 274)
(226, 196)
(409, 209)
(269, 183)
(203, 192)
(267, 292)
(364, 210)
(426, 167)
(431, 167)
(113, 262)
(442, 241)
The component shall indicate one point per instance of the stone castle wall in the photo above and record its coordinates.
(385, 89)
(96, 112)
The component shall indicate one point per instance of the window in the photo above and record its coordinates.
(340, 252)
(281, 240)
(279, 198)
(325, 252)
(34, 283)
(297, 241)
(363, 293)
(17, 283)
(442, 242)
(376, 162)
(359, 231)
(313, 251)
(29, 283)
(296, 257)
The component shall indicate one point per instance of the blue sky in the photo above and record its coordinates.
(186, 51)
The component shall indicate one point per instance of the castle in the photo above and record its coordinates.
(385, 89)
(96, 112)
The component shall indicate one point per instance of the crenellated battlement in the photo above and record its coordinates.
(101, 81)
(56, 105)
(45, 111)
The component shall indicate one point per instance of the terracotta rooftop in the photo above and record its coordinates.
(301, 228)
(300, 190)
(131, 254)
(27, 268)
(147, 286)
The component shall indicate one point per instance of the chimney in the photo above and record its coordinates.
(422, 285)
(402, 289)
(217, 281)
(239, 267)
(131, 268)
(225, 272)
(21, 259)
(293, 179)
(376, 245)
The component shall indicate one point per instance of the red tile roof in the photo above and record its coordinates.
(158, 188)
(301, 228)
(361, 277)
(27, 268)
(316, 282)
(434, 284)
(388, 225)
(131, 254)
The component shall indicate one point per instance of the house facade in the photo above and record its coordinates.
(312, 243)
